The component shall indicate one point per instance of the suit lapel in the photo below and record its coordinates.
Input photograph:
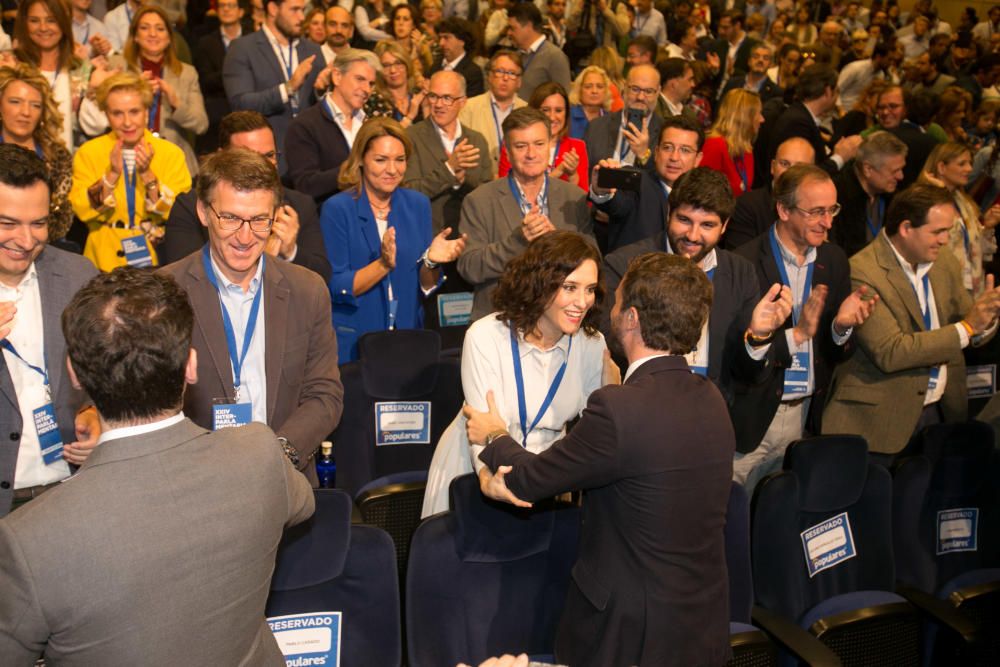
(205, 302)
(768, 262)
(276, 297)
(886, 259)
(509, 205)
(53, 291)
(269, 56)
(367, 221)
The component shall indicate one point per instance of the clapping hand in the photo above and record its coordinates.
(388, 257)
(443, 250)
(855, 309)
(536, 224)
(808, 322)
(771, 311)
(285, 230)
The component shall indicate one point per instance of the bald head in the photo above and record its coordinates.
(450, 79)
(339, 28)
(790, 153)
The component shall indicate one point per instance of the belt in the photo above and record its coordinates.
(33, 491)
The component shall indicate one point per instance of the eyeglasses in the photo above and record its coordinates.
(814, 214)
(636, 90)
(506, 73)
(233, 223)
(446, 100)
(686, 151)
(395, 65)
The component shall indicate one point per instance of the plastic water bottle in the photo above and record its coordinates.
(326, 467)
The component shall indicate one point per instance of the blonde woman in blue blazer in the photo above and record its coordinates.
(379, 240)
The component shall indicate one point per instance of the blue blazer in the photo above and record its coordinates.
(352, 243)
(252, 76)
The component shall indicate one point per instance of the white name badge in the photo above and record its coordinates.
(981, 381)
(308, 639)
(827, 544)
(454, 309)
(230, 415)
(48, 433)
(797, 375)
(957, 530)
(403, 423)
(136, 249)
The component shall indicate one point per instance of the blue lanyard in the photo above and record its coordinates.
(529, 56)
(86, 35)
(519, 379)
(496, 124)
(130, 179)
(741, 170)
(926, 309)
(796, 306)
(872, 227)
(543, 197)
(227, 323)
(623, 149)
(6, 344)
(555, 154)
(128, 13)
(965, 239)
(154, 107)
(287, 63)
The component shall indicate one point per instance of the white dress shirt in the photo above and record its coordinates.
(287, 55)
(141, 429)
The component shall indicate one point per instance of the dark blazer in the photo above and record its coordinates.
(768, 90)
(742, 61)
(634, 216)
(427, 172)
(304, 394)
(473, 73)
(734, 298)
(850, 228)
(319, 148)
(754, 214)
(60, 275)
(190, 519)
(253, 75)
(210, 53)
(603, 131)
(185, 233)
(548, 63)
(649, 587)
(796, 121)
(920, 145)
(754, 406)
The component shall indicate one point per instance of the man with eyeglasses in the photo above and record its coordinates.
(788, 403)
(295, 235)
(486, 113)
(265, 347)
(612, 137)
(637, 215)
(865, 189)
(320, 138)
(909, 370)
(891, 113)
(36, 283)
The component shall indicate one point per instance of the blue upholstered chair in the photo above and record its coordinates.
(394, 366)
(486, 578)
(327, 564)
(822, 552)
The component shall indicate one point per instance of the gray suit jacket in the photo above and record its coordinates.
(879, 392)
(253, 76)
(304, 394)
(548, 63)
(492, 219)
(151, 554)
(427, 172)
(60, 275)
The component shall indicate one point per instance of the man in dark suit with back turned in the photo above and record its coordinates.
(701, 204)
(210, 54)
(286, 376)
(649, 586)
(159, 551)
(295, 235)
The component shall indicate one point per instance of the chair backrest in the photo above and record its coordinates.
(399, 370)
(486, 579)
(822, 526)
(326, 564)
(738, 554)
(393, 503)
(946, 505)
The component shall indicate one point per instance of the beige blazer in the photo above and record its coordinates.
(477, 114)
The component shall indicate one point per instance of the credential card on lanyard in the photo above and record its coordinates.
(519, 380)
(46, 426)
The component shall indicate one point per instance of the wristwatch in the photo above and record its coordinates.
(494, 435)
(290, 452)
(427, 260)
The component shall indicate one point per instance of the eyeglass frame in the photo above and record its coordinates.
(506, 73)
(814, 214)
(434, 97)
(247, 221)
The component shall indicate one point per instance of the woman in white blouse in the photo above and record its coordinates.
(540, 354)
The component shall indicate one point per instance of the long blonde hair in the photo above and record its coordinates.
(737, 121)
(131, 50)
(350, 177)
(48, 132)
(945, 153)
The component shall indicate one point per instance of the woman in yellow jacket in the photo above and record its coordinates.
(125, 182)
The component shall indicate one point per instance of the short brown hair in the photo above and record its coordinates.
(786, 188)
(239, 122)
(531, 279)
(373, 128)
(672, 296)
(518, 119)
(243, 169)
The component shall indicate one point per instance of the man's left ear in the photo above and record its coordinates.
(191, 368)
(72, 375)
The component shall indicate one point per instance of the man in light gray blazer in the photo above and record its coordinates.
(160, 550)
(36, 283)
(543, 60)
(502, 217)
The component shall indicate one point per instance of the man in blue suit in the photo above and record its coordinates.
(272, 71)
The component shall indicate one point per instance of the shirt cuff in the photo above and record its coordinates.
(837, 160)
(837, 338)
(284, 93)
(291, 257)
(600, 199)
(757, 353)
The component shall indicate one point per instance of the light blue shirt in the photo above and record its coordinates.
(253, 379)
